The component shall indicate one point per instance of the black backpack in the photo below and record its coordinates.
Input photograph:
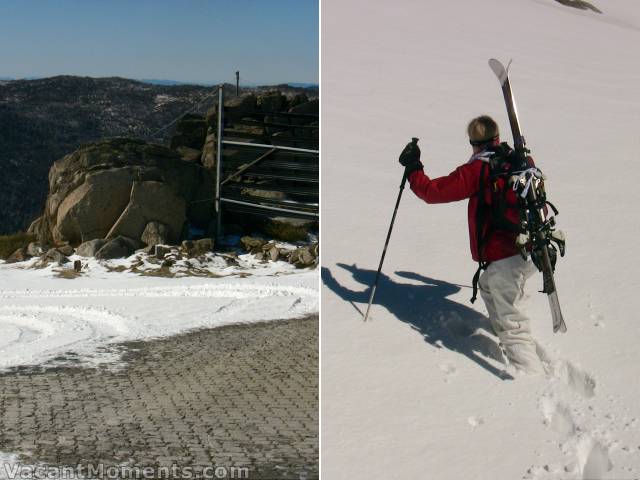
(502, 205)
(504, 209)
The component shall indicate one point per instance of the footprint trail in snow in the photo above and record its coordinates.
(567, 408)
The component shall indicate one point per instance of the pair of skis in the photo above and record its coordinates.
(536, 209)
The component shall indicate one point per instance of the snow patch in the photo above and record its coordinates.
(162, 99)
(42, 321)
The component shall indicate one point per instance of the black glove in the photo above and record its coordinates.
(410, 157)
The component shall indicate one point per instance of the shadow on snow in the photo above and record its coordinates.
(442, 323)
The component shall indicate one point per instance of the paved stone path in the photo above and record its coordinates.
(244, 396)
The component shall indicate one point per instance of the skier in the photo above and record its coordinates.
(505, 271)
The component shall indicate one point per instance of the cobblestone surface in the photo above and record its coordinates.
(243, 396)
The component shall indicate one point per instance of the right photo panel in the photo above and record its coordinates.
(479, 266)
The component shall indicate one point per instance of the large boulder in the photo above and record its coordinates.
(90, 188)
(89, 211)
(151, 201)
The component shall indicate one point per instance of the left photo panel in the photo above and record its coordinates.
(159, 239)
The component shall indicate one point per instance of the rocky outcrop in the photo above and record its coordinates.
(44, 119)
(90, 189)
(117, 187)
(50, 117)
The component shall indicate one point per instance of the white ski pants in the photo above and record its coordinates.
(502, 288)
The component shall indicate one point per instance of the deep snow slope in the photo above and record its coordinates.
(419, 392)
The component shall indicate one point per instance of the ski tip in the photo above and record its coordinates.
(499, 70)
(559, 326)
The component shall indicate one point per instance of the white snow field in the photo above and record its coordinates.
(48, 319)
(419, 392)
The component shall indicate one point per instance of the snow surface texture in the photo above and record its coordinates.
(421, 390)
(53, 320)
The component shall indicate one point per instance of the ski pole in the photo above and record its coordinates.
(386, 243)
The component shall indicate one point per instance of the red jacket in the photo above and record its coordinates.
(464, 182)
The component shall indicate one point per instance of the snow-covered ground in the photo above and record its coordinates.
(418, 391)
(51, 315)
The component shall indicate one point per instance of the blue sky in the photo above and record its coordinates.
(269, 41)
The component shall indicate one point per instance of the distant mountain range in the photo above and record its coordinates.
(154, 81)
(42, 120)
(209, 84)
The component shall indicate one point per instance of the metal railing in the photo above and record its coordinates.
(305, 173)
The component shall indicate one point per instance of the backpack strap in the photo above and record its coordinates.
(480, 219)
(476, 279)
(481, 211)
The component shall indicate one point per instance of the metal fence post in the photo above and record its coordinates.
(219, 162)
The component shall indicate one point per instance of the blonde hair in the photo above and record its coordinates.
(482, 129)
